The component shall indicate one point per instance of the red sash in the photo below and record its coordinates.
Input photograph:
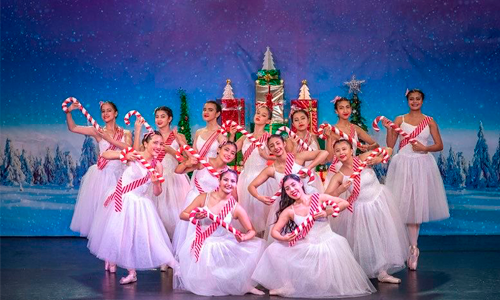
(101, 161)
(420, 127)
(252, 147)
(168, 142)
(307, 140)
(208, 144)
(313, 208)
(201, 236)
(356, 184)
(335, 160)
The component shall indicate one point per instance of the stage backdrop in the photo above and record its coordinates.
(139, 53)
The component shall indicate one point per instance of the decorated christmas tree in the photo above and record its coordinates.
(183, 125)
(354, 89)
(305, 102)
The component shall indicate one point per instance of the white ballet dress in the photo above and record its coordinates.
(133, 238)
(256, 210)
(170, 203)
(414, 179)
(224, 266)
(207, 183)
(321, 265)
(93, 188)
(374, 229)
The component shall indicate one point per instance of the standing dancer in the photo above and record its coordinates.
(374, 229)
(171, 200)
(130, 233)
(255, 160)
(207, 139)
(214, 261)
(102, 176)
(319, 265)
(300, 121)
(413, 175)
(285, 163)
(343, 110)
(203, 181)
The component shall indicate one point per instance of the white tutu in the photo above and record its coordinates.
(93, 188)
(374, 230)
(208, 183)
(170, 203)
(416, 183)
(224, 266)
(135, 237)
(319, 266)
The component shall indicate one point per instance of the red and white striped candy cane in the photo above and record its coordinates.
(82, 109)
(178, 155)
(393, 126)
(309, 173)
(226, 126)
(374, 153)
(144, 162)
(205, 163)
(138, 115)
(293, 135)
(215, 218)
(338, 132)
(334, 205)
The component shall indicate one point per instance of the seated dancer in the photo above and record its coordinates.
(315, 264)
(129, 233)
(374, 229)
(214, 261)
(203, 181)
(285, 163)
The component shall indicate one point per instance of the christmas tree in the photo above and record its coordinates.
(268, 60)
(39, 176)
(183, 124)
(11, 169)
(441, 162)
(452, 170)
(27, 166)
(355, 88)
(462, 168)
(228, 90)
(87, 159)
(49, 166)
(304, 91)
(495, 163)
(481, 173)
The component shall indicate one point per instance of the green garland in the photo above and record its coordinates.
(183, 125)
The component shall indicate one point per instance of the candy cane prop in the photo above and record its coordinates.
(215, 218)
(294, 135)
(393, 126)
(82, 109)
(205, 163)
(364, 163)
(225, 129)
(138, 115)
(309, 221)
(338, 132)
(146, 164)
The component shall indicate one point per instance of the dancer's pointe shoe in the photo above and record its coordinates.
(129, 279)
(106, 266)
(257, 292)
(112, 268)
(164, 268)
(388, 278)
(413, 258)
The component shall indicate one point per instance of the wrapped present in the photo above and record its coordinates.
(275, 102)
(272, 77)
(233, 110)
(311, 107)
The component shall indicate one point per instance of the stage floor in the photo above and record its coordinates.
(451, 267)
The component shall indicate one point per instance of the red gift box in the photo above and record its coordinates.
(234, 110)
(311, 107)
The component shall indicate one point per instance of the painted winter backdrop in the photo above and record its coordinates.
(138, 53)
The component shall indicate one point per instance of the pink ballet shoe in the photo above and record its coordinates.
(164, 268)
(413, 258)
(131, 278)
(386, 278)
(106, 266)
(112, 268)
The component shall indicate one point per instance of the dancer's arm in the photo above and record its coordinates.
(258, 181)
(189, 164)
(197, 202)
(316, 157)
(86, 130)
(377, 159)
(242, 216)
(365, 137)
(285, 216)
(336, 187)
(155, 181)
(115, 155)
(392, 135)
(122, 145)
(137, 134)
(436, 136)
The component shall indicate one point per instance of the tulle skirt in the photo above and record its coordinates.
(257, 211)
(93, 188)
(169, 203)
(417, 186)
(376, 234)
(183, 228)
(320, 266)
(133, 238)
(224, 267)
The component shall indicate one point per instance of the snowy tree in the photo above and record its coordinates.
(49, 166)
(304, 91)
(228, 90)
(39, 176)
(11, 169)
(60, 174)
(70, 169)
(495, 164)
(462, 170)
(481, 173)
(441, 162)
(452, 172)
(268, 60)
(27, 166)
(87, 159)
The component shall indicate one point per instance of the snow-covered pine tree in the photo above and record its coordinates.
(87, 159)
(452, 172)
(27, 166)
(495, 164)
(12, 170)
(60, 174)
(441, 162)
(462, 169)
(39, 176)
(481, 173)
(49, 166)
(70, 169)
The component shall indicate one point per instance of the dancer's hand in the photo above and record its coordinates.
(241, 238)
(191, 161)
(374, 161)
(363, 147)
(386, 123)
(320, 215)
(200, 215)
(266, 200)
(138, 123)
(73, 106)
(289, 237)
(344, 186)
(419, 147)
(131, 156)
